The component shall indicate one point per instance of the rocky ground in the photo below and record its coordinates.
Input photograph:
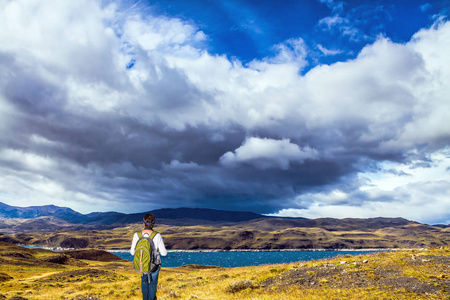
(371, 274)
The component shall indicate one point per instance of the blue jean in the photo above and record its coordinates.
(149, 288)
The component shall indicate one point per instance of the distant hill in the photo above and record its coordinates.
(32, 212)
(330, 224)
(172, 216)
(185, 214)
(220, 230)
(50, 218)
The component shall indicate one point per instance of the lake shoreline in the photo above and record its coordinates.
(267, 250)
(231, 250)
(232, 259)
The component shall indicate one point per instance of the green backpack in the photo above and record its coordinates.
(146, 259)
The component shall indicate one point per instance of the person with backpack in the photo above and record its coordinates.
(146, 248)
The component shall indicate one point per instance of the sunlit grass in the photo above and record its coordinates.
(344, 277)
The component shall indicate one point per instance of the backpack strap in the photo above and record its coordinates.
(154, 233)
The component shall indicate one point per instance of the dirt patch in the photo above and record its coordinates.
(199, 267)
(88, 297)
(12, 250)
(64, 259)
(17, 261)
(80, 275)
(91, 254)
(74, 243)
(5, 277)
(9, 240)
(117, 241)
(22, 255)
(246, 235)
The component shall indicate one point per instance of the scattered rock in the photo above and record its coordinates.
(199, 267)
(74, 243)
(78, 275)
(88, 297)
(246, 234)
(17, 298)
(4, 277)
(239, 286)
(58, 259)
(18, 255)
(9, 240)
(91, 254)
(64, 259)
(381, 277)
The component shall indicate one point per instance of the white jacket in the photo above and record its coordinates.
(157, 240)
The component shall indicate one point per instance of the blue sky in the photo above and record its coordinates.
(291, 108)
(248, 30)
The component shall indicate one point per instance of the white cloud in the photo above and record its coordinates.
(178, 166)
(415, 173)
(329, 52)
(336, 6)
(291, 51)
(419, 193)
(341, 24)
(419, 207)
(268, 153)
(328, 23)
(65, 88)
(30, 161)
(83, 46)
(31, 187)
(159, 33)
(431, 109)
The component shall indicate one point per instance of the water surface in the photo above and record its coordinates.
(245, 258)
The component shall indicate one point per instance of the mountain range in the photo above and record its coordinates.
(193, 229)
(188, 216)
(170, 216)
(50, 218)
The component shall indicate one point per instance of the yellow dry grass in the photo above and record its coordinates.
(414, 274)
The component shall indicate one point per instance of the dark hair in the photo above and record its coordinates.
(149, 221)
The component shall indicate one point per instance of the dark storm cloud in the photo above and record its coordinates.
(109, 141)
(181, 127)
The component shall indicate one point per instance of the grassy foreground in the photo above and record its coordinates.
(91, 274)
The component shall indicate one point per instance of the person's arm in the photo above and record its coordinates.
(133, 243)
(160, 245)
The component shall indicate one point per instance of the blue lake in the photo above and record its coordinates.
(245, 258)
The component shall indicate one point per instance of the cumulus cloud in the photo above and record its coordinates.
(268, 153)
(100, 106)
